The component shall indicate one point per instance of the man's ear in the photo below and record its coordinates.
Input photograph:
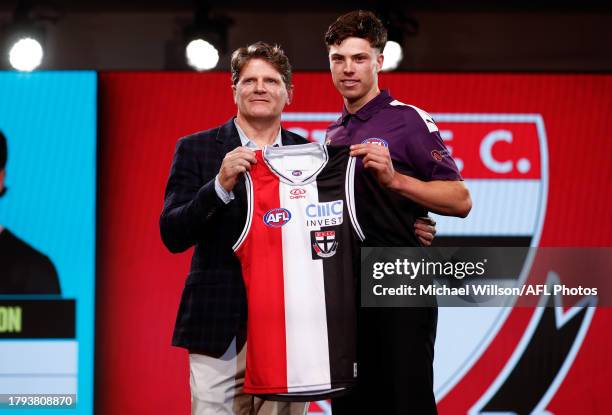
(380, 58)
(289, 94)
(234, 91)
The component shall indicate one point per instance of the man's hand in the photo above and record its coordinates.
(425, 230)
(377, 159)
(234, 164)
(445, 197)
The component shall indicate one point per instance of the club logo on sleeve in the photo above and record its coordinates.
(375, 140)
(297, 193)
(324, 214)
(438, 155)
(324, 244)
(277, 217)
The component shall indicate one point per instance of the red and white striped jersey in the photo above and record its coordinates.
(298, 251)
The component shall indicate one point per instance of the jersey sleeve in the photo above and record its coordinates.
(426, 150)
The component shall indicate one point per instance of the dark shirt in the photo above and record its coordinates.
(24, 270)
(416, 149)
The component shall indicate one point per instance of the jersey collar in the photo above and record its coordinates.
(369, 109)
(270, 152)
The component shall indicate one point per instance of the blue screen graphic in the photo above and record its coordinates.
(49, 121)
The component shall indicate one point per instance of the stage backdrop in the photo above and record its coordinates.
(533, 149)
(47, 339)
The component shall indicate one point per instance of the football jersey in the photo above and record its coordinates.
(298, 252)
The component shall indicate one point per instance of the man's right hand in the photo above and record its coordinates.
(234, 164)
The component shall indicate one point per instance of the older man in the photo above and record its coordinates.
(205, 207)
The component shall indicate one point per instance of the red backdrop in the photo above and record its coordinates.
(139, 283)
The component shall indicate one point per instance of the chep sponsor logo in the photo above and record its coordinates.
(297, 193)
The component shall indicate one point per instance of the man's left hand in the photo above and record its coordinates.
(425, 230)
(377, 159)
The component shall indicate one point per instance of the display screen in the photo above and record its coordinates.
(47, 242)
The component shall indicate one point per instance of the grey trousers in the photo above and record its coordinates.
(216, 387)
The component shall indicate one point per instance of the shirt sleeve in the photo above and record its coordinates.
(428, 154)
(223, 194)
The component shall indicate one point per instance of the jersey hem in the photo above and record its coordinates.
(281, 394)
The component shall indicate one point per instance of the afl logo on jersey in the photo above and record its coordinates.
(277, 217)
(297, 193)
(296, 172)
(377, 141)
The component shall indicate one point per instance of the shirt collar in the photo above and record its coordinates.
(370, 108)
(246, 141)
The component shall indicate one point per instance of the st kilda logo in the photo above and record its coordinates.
(503, 159)
(297, 193)
(277, 217)
(324, 243)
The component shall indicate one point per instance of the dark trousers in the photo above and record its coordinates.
(395, 363)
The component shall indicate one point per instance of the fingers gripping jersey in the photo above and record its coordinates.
(297, 252)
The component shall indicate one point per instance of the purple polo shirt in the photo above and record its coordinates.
(416, 150)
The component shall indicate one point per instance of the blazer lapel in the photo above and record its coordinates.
(228, 137)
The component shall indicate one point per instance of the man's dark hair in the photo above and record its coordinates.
(274, 55)
(3, 151)
(358, 23)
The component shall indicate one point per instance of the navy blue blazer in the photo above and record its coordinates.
(213, 307)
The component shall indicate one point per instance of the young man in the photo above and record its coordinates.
(406, 171)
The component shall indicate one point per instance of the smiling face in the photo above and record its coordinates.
(260, 92)
(354, 66)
